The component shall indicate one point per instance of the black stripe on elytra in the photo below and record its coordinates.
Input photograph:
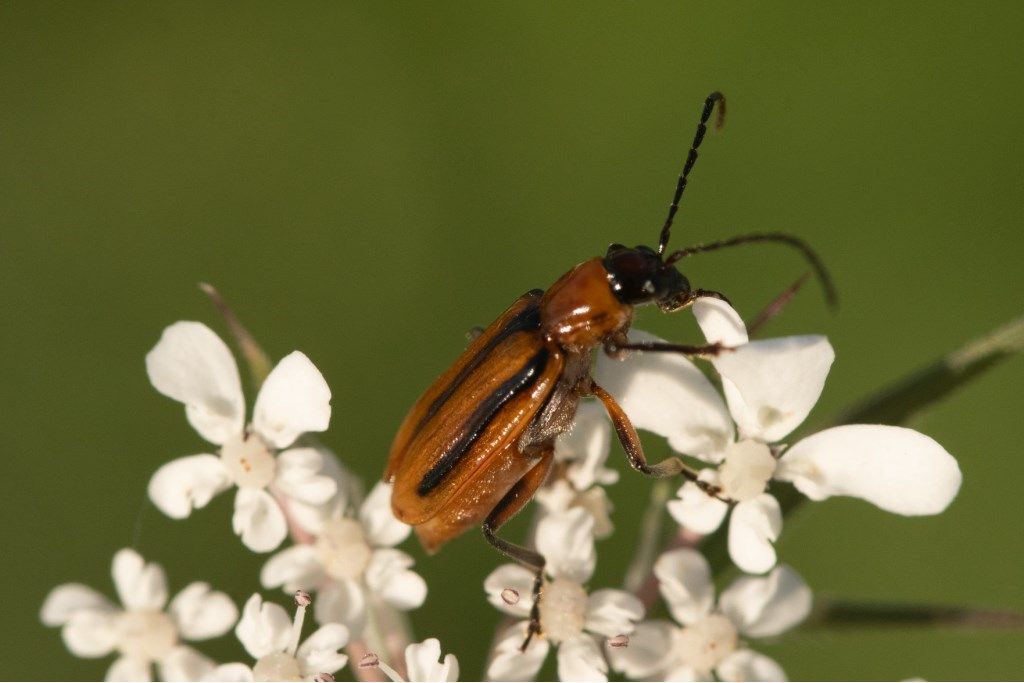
(482, 417)
(526, 320)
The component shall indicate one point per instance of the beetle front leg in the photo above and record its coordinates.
(669, 467)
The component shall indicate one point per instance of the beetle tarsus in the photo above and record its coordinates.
(534, 627)
(616, 350)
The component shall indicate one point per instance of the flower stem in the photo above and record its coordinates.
(256, 358)
(842, 614)
(649, 537)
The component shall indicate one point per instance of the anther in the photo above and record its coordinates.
(621, 640)
(510, 596)
(303, 599)
(323, 676)
(369, 661)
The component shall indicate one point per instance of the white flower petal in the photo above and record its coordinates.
(683, 672)
(192, 365)
(188, 483)
(586, 446)
(202, 613)
(294, 568)
(139, 585)
(388, 577)
(515, 577)
(767, 606)
(648, 654)
(258, 520)
(423, 660)
(129, 669)
(612, 612)
(235, 672)
(566, 540)
(381, 526)
(91, 633)
(68, 598)
(183, 663)
(293, 399)
(696, 510)
(666, 394)
(299, 476)
(684, 578)
(580, 659)
(319, 653)
(719, 322)
(755, 524)
(342, 602)
(897, 469)
(509, 664)
(747, 665)
(774, 383)
(264, 627)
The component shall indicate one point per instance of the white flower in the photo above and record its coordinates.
(571, 620)
(351, 563)
(192, 365)
(770, 387)
(583, 449)
(272, 639)
(424, 663)
(707, 642)
(143, 632)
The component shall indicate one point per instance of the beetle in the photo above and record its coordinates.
(478, 443)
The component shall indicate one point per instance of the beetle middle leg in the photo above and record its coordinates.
(669, 467)
(518, 496)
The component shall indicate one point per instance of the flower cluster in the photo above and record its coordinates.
(343, 564)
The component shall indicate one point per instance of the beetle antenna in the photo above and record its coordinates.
(782, 238)
(691, 159)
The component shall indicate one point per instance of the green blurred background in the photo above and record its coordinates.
(367, 182)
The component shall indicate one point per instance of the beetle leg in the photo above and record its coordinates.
(669, 467)
(518, 496)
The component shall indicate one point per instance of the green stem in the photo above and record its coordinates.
(649, 537)
(841, 614)
(257, 359)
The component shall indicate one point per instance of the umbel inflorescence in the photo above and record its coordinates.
(337, 551)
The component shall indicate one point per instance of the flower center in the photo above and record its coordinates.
(249, 461)
(563, 609)
(277, 666)
(748, 467)
(146, 634)
(704, 644)
(343, 550)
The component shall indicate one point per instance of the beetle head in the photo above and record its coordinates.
(638, 275)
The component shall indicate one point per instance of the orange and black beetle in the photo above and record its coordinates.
(480, 441)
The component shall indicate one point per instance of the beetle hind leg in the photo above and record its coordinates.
(512, 503)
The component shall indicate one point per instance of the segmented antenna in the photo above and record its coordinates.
(691, 159)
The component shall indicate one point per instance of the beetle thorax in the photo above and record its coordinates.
(342, 549)
(580, 311)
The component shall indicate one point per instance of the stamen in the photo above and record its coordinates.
(323, 677)
(389, 672)
(368, 661)
(302, 600)
(510, 596)
(621, 640)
